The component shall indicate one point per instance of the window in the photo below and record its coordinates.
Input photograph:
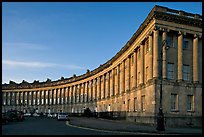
(128, 105)
(185, 43)
(190, 102)
(186, 72)
(170, 71)
(174, 102)
(170, 42)
(146, 74)
(147, 46)
(143, 103)
(135, 104)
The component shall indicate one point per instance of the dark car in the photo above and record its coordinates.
(5, 118)
(15, 115)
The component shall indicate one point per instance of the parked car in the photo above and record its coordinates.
(62, 116)
(49, 115)
(15, 115)
(36, 115)
(27, 114)
(5, 118)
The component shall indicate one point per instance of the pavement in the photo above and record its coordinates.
(125, 126)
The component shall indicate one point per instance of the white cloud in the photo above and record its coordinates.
(26, 46)
(11, 63)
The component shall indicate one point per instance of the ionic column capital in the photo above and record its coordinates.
(197, 35)
(156, 28)
(181, 33)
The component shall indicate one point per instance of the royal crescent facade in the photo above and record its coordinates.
(130, 81)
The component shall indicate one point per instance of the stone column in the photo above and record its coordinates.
(26, 101)
(86, 93)
(134, 82)
(102, 86)
(74, 94)
(50, 97)
(164, 45)
(66, 96)
(90, 90)
(54, 96)
(127, 74)
(151, 56)
(46, 97)
(9, 98)
(195, 58)
(83, 92)
(107, 85)
(98, 88)
(122, 81)
(155, 53)
(94, 90)
(142, 64)
(22, 97)
(70, 94)
(79, 93)
(116, 79)
(33, 98)
(41, 97)
(111, 83)
(180, 56)
(60, 96)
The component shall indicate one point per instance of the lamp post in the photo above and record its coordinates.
(160, 116)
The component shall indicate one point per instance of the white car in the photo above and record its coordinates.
(27, 114)
(49, 115)
(62, 116)
(36, 115)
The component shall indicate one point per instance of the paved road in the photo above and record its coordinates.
(46, 126)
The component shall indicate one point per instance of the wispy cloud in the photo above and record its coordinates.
(34, 64)
(26, 46)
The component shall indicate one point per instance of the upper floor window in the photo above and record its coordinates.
(186, 72)
(170, 71)
(170, 41)
(185, 43)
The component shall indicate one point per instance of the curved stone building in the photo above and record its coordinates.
(163, 56)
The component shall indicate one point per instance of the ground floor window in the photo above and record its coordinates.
(174, 102)
(190, 102)
(143, 103)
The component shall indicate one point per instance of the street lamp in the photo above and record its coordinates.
(160, 116)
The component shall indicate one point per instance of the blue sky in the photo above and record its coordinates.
(43, 40)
